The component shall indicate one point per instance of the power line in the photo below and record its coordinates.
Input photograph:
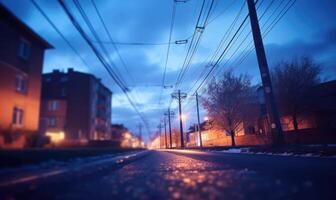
(112, 41)
(280, 15)
(168, 49)
(224, 38)
(248, 34)
(95, 34)
(59, 32)
(221, 56)
(222, 12)
(219, 59)
(128, 72)
(102, 60)
(119, 77)
(199, 28)
(219, 47)
(268, 29)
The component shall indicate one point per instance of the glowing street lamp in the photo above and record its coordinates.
(184, 117)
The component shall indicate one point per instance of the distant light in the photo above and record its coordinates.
(206, 118)
(184, 117)
(56, 137)
(128, 135)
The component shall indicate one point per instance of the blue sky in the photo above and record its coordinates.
(307, 29)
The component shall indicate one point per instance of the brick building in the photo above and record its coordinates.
(75, 106)
(21, 60)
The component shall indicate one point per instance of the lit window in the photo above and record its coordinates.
(53, 105)
(52, 122)
(24, 49)
(21, 84)
(17, 116)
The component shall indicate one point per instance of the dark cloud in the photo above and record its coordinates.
(322, 49)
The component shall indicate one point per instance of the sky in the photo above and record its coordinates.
(307, 29)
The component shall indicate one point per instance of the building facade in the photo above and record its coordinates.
(21, 60)
(75, 107)
(316, 124)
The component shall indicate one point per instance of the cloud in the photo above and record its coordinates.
(149, 21)
(320, 46)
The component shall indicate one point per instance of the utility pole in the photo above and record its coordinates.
(169, 114)
(165, 131)
(140, 131)
(198, 120)
(272, 111)
(159, 127)
(179, 96)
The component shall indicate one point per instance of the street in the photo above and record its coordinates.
(186, 174)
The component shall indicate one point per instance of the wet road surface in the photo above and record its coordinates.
(191, 175)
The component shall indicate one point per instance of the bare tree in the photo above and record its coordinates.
(292, 82)
(226, 102)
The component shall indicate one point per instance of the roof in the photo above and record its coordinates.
(323, 96)
(11, 17)
(71, 70)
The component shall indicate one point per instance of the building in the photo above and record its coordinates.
(316, 123)
(21, 60)
(75, 107)
(117, 132)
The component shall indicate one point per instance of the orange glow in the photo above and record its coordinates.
(184, 117)
(128, 136)
(56, 137)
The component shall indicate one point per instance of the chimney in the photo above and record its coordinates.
(56, 71)
(70, 70)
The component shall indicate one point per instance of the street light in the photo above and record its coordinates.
(183, 117)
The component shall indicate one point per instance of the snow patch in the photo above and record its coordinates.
(236, 150)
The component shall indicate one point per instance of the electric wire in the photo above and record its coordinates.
(104, 63)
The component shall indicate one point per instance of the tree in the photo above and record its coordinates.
(292, 82)
(226, 102)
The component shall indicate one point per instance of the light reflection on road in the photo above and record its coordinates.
(173, 174)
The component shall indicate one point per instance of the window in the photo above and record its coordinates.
(21, 84)
(47, 79)
(51, 122)
(64, 79)
(53, 105)
(63, 92)
(24, 49)
(17, 116)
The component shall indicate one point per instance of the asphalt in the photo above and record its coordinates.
(183, 174)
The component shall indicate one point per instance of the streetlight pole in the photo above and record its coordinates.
(272, 111)
(198, 120)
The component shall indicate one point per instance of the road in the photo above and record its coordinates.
(184, 174)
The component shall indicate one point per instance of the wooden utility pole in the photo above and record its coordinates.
(140, 131)
(179, 96)
(272, 111)
(199, 123)
(165, 131)
(160, 127)
(169, 114)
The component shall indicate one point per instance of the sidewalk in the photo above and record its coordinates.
(313, 150)
(22, 174)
